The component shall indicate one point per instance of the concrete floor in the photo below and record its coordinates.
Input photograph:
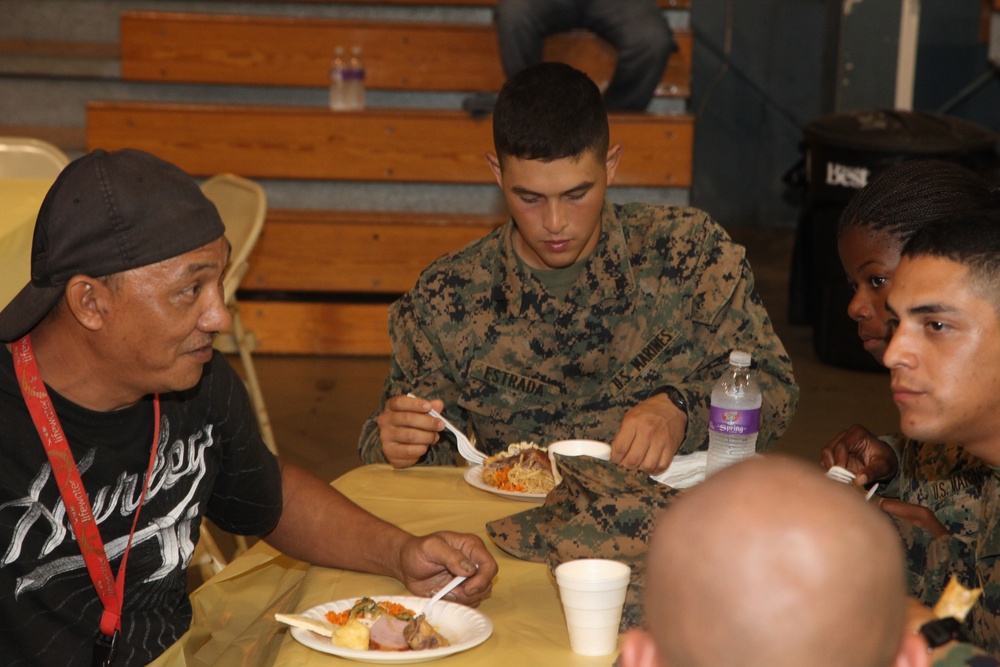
(318, 404)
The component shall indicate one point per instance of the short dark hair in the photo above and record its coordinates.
(905, 197)
(972, 240)
(548, 112)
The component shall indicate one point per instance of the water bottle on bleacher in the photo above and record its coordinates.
(338, 82)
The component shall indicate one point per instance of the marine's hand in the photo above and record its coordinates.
(916, 615)
(428, 563)
(860, 451)
(650, 435)
(919, 516)
(406, 430)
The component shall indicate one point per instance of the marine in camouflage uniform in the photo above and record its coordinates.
(660, 303)
(964, 495)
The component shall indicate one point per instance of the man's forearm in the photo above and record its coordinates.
(321, 526)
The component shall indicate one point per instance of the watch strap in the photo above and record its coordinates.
(943, 630)
(677, 398)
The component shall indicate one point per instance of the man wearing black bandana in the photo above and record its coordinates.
(120, 428)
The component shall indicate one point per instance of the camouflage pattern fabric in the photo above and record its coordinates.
(661, 302)
(964, 655)
(599, 510)
(964, 494)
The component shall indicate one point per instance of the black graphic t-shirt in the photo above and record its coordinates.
(211, 461)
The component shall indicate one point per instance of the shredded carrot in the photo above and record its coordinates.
(338, 618)
(504, 483)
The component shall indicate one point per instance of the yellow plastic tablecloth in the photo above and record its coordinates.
(234, 611)
(20, 200)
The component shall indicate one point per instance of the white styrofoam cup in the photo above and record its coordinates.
(592, 591)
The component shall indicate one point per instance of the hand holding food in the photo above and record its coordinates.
(956, 602)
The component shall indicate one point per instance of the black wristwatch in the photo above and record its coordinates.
(943, 630)
(677, 398)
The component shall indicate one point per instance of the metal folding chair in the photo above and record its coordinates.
(242, 205)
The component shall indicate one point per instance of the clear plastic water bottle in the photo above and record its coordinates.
(354, 78)
(735, 414)
(338, 81)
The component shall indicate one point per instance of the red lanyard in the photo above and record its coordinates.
(110, 590)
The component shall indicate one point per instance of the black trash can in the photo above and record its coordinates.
(842, 154)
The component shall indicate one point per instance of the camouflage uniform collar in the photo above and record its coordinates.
(607, 275)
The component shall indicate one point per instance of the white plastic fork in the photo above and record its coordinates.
(871, 492)
(465, 448)
(844, 475)
(441, 593)
(840, 474)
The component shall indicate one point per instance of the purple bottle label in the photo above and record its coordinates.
(734, 422)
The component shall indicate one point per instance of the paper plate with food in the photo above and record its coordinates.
(523, 472)
(388, 629)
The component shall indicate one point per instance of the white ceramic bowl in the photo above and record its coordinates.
(599, 450)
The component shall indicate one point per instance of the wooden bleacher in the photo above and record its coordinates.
(393, 145)
(394, 248)
(320, 282)
(279, 51)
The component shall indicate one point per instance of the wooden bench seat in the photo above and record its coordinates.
(401, 145)
(320, 282)
(282, 51)
(373, 252)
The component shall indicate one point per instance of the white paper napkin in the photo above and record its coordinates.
(685, 470)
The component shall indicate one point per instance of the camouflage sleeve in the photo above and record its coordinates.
(728, 314)
(963, 655)
(932, 560)
(417, 366)
(948, 555)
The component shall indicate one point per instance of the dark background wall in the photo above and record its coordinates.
(952, 66)
(763, 69)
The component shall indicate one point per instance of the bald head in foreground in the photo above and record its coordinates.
(771, 563)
